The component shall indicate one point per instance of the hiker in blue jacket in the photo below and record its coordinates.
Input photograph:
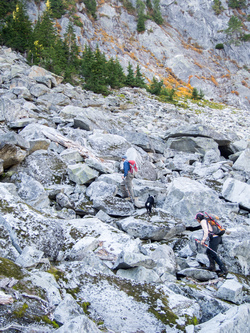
(128, 178)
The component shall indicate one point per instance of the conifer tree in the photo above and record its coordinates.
(45, 32)
(57, 8)
(87, 62)
(155, 87)
(130, 79)
(99, 71)
(115, 74)
(141, 19)
(157, 12)
(234, 29)
(139, 80)
(94, 70)
(48, 49)
(149, 4)
(91, 7)
(6, 7)
(17, 33)
(71, 51)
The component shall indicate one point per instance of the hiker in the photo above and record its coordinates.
(128, 178)
(214, 241)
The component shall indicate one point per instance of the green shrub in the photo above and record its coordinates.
(155, 87)
(246, 37)
(219, 46)
(237, 3)
(196, 94)
(168, 93)
(217, 7)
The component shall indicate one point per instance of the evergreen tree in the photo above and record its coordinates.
(7, 7)
(155, 87)
(116, 76)
(45, 32)
(157, 12)
(196, 94)
(91, 7)
(57, 8)
(149, 4)
(71, 49)
(94, 70)
(87, 63)
(237, 3)
(234, 28)
(139, 80)
(130, 79)
(48, 49)
(217, 7)
(17, 32)
(141, 19)
(99, 71)
(168, 93)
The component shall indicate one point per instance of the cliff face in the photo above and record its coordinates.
(181, 51)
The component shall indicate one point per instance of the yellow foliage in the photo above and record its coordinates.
(235, 92)
(195, 48)
(48, 4)
(58, 26)
(197, 64)
(214, 80)
(244, 83)
(14, 13)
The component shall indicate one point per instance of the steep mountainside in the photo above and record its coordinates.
(183, 51)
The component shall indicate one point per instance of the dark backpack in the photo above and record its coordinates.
(132, 167)
(213, 221)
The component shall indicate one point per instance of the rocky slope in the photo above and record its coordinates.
(182, 51)
(75, 255)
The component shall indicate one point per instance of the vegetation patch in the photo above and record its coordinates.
(9, 269)
(46, 320)
(19, 313)
(57, 273)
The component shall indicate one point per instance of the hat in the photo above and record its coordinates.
(199, 216)
(124, 157)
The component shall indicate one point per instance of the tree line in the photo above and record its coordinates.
(42, 45)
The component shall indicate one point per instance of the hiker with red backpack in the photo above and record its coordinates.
(213, 231)
(129, 168)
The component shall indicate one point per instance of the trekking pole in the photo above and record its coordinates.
(205, 246)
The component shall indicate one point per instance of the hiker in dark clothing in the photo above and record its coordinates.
(128, 178)
(214, 241)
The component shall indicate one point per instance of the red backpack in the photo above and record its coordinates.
(132, 167)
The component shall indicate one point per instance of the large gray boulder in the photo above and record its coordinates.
(114, 206)
(67, 309)
(80, 324)
(45, 167)
(243, 162)
(193, 145)
(236, 191)
(239, 315)
(81, 173)
(185, 197)
(231, 291)
(197, 131)
(137, 227)
(108, 145)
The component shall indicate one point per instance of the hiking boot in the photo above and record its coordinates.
(223, 270)
(211, 267)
